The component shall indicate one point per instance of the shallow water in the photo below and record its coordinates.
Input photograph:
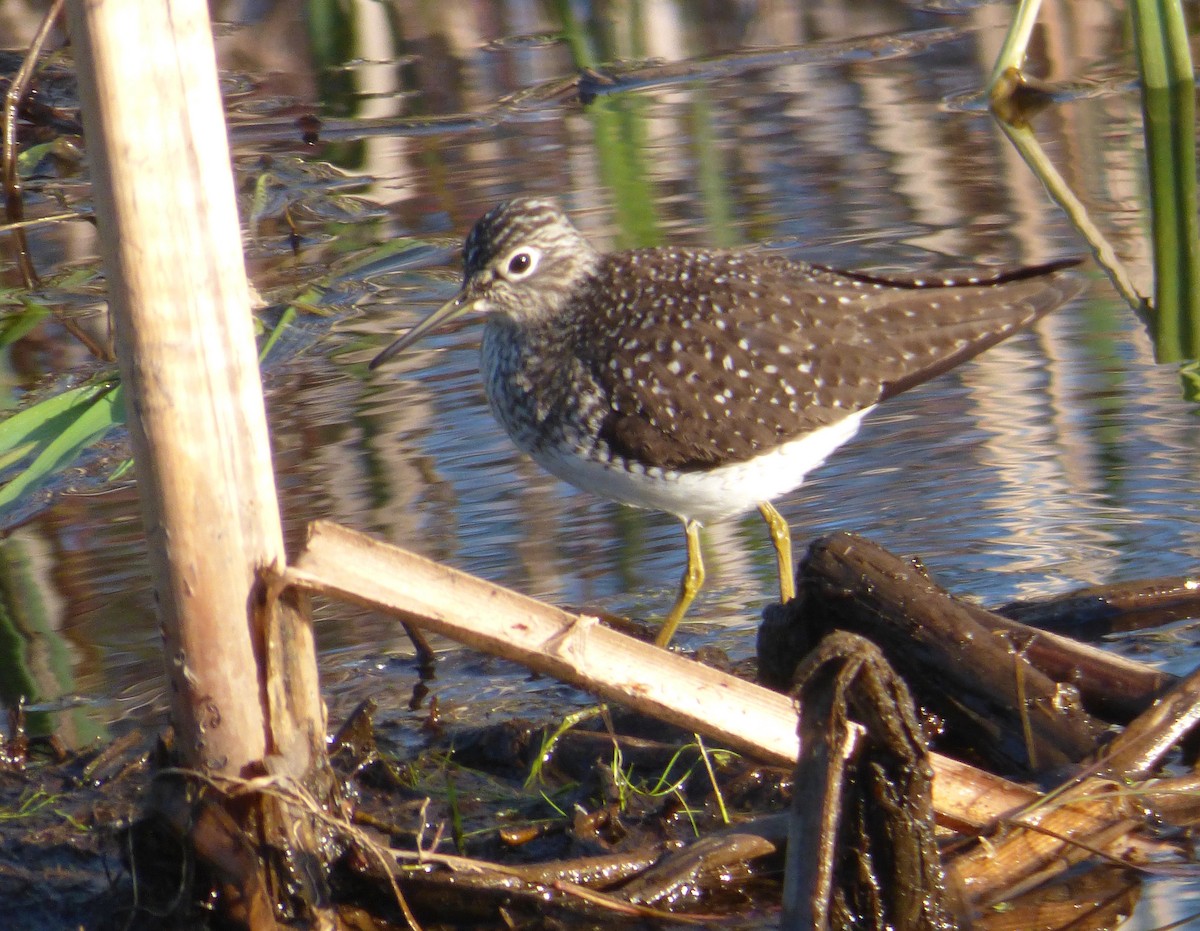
(1063, 458)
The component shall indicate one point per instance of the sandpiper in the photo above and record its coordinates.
(704, 383)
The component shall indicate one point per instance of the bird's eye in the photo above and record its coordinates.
(521, 264)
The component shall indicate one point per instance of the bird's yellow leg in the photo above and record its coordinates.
(689, 585)
(781, 536)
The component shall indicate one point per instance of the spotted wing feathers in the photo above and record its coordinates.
(708, 358)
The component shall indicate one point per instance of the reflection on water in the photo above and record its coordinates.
(1062, 458)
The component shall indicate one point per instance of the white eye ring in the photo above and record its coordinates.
(521, 263)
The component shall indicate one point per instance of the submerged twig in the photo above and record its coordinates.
(13, 205)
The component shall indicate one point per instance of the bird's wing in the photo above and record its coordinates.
(708, 358)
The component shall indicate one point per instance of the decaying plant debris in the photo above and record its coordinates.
(999, 839)
(622, 818)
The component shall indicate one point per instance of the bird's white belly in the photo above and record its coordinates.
(704, 496)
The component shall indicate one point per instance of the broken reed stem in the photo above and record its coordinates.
(737, 714)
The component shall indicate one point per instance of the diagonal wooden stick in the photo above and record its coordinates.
(740, 715)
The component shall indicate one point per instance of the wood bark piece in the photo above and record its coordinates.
(740, 715)
(1110, 686)
(1091, 817)
(171, 245)
(996, 703)
(1103, 609)
(244, 693)
(861, 847)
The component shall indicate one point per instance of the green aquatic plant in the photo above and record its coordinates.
(1167, 79)
(47, 437)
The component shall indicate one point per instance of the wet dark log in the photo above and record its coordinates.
(471, 897)
(1139, 750)
(1110, 686)
(456, 891)
(861, 849)
(705, 864)
(1105, 609)
(1175, 799)
(996, 706)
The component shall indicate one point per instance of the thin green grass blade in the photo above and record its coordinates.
(41, 422)
(1169, 116)
(17, 325)
(286, 319)
(1012, 53)
(1160, 31)
(73, 423)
